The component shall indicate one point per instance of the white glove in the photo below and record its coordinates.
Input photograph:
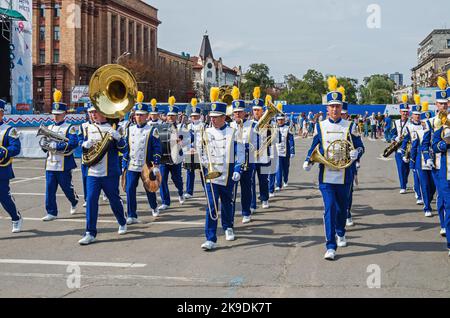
(405, 160)
(400, 151)
(88, 144)
(53, 145)
(236, 176)
(307, 166)
(115, 134)
(430, 163)
(358, 165)
(354, 154)
(156, 171)
(397, 139)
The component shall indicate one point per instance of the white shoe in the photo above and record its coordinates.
(330, 255)
(419, 202)
(443, 233)
(448, 253)
(155, 212)
(131, 221)
(84, 204)
(229, 235)
(265, 205)
(246, 219)
(208, 246)
(49, 218)
(73, 210)
(122, 230)
(285, 185)
(350, 222)
(403, 191)
(17, 226)
(163, 207)
(181, 199)
(87, 239)
(272, 195)
(105, 198)
(341, 241)
(187, 196)
(277, 189)
(428, 214)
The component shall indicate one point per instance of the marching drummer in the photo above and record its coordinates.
(144, 148)
(191, 158)
(175, 169)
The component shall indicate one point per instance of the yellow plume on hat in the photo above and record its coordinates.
(268, 100)
(57, 95)
(442, 83)
(280, 107)
(214, 94)
(194, 102)
(153, 102)
(448, 76)
(332, 83)
(235, 93)
(257, 93)
(140, 97)
(417, 99)
(341, 89)
(172, 100)
(425, 106)
(404, 98)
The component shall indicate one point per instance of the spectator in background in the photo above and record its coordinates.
(373, 126)
(387, 128)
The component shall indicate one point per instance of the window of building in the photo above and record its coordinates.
(41, 56)
(57, 11)
(209, 74)
(42, 33)
(42, 11)
(448, 43)
(57, 33)
(55, 56)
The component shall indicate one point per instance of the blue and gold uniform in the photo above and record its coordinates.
(60, 161)
(335, 185)
(9, 148)
(286, 151)
(144, 147)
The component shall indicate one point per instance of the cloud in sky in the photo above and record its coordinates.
(292, 36)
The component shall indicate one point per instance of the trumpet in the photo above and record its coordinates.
(49, 136)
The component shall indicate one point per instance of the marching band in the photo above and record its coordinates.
(231, 148)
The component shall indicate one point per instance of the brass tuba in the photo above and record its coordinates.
(112, 90)
(337, 155)
(443, 121)
(265, 120)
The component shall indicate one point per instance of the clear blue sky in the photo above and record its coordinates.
(292, 36)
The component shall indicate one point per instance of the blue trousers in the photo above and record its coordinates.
(350, 202)
(84, 173)
(335, 200)
(283, 171)
(110, 186)
(402, 170)
(246, 190)
(272, 181)
(440, 198)
(190, 181)
(417, 187)
(263, 185)
(7, 200)
(427, 188)
(177, 178)
(131, 185)
(225, 195)
(445, 189)
(53, 180)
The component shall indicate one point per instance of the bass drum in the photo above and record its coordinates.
(171, 151)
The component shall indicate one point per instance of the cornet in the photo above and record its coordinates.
(49, 136)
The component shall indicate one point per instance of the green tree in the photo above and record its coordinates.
(257, 75)
(377, 89)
